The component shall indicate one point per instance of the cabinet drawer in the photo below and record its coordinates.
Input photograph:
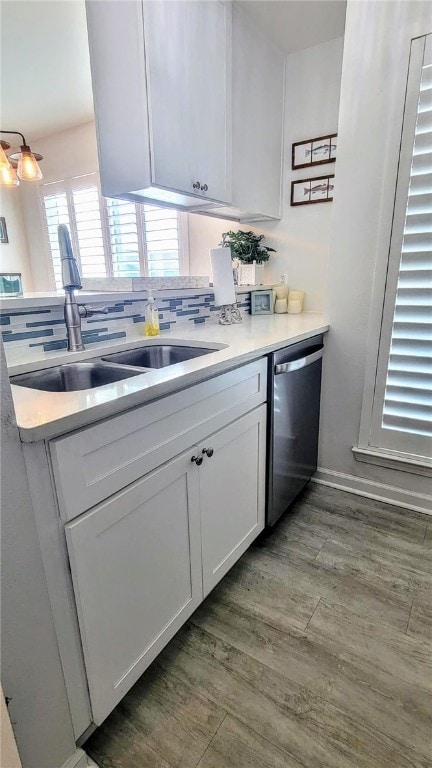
(96, 462)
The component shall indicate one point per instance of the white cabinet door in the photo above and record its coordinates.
(136, 569)
(258, 115)
(232, 493)
(167, 64)
(209, 45)
(188, 56)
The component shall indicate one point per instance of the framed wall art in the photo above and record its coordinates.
(314, 151)
(3, 230)
(317, 190)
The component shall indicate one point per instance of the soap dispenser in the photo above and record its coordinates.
(151, 317)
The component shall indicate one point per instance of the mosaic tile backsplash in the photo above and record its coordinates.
(43, 328)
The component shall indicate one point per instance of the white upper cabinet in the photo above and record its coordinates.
(258, 93)
(161, 76)
(189, 103)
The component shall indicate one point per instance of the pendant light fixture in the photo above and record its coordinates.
(4, 160)
(25, 161)
(8, 177)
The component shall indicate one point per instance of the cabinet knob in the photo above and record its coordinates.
(196, 185)
(204, 188)
(208, 452)
(198, 460)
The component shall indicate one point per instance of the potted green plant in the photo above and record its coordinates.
(248, 255)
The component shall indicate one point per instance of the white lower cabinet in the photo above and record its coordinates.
(136, 568)
(143, 560)
(232, 494)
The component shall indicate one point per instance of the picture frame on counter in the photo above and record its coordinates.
(3, 230)
(11, 284)
(313, 190)
(262, 302)
(318, 151)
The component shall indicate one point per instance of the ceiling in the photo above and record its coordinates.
(45, 69)
(45, 84)
(297, 24)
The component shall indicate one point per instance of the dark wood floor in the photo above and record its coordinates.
(314, 652)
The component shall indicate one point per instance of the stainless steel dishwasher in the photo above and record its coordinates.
(294, 407)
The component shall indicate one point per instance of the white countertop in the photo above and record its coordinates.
(42, 415)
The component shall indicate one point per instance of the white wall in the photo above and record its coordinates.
(66, 154)
(375, 65)
(14, 255)
(302, 236)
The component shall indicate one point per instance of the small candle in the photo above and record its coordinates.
(281, 291)
(295, 302)
(280, 306)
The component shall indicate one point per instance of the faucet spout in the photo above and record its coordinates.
(70, 273)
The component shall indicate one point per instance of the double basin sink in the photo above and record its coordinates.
(73, 377)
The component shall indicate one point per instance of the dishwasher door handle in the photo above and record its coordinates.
(294, 365)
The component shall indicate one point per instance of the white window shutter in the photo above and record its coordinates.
(56, 212)
(87, 223)
(161, 233)
(408, 395)
(111, 237)
(124, 238)
(403, 400)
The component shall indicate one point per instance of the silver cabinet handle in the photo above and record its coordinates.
(294, 365)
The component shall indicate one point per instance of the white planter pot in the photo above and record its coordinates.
(251, 274)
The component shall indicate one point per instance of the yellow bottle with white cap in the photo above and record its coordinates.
(151, 317)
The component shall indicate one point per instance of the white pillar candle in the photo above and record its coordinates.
(281, 291)
(280, 306)
(295, 302)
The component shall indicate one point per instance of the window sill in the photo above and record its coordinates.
(404, 462)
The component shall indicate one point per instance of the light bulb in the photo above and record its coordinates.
(4, 160)
(8, 177)
(28, 169)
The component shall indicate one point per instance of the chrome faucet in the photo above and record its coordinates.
(73, 312)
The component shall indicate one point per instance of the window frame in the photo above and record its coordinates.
(68, 186)
(374, 445)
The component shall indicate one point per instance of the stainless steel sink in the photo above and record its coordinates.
(157, 355)
(74, 376)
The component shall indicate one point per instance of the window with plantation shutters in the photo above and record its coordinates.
(402, 416)
(112, 238)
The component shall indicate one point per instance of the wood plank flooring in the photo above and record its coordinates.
(315, 651)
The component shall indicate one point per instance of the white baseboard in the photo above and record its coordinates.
(371, 489)
(79, 759)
